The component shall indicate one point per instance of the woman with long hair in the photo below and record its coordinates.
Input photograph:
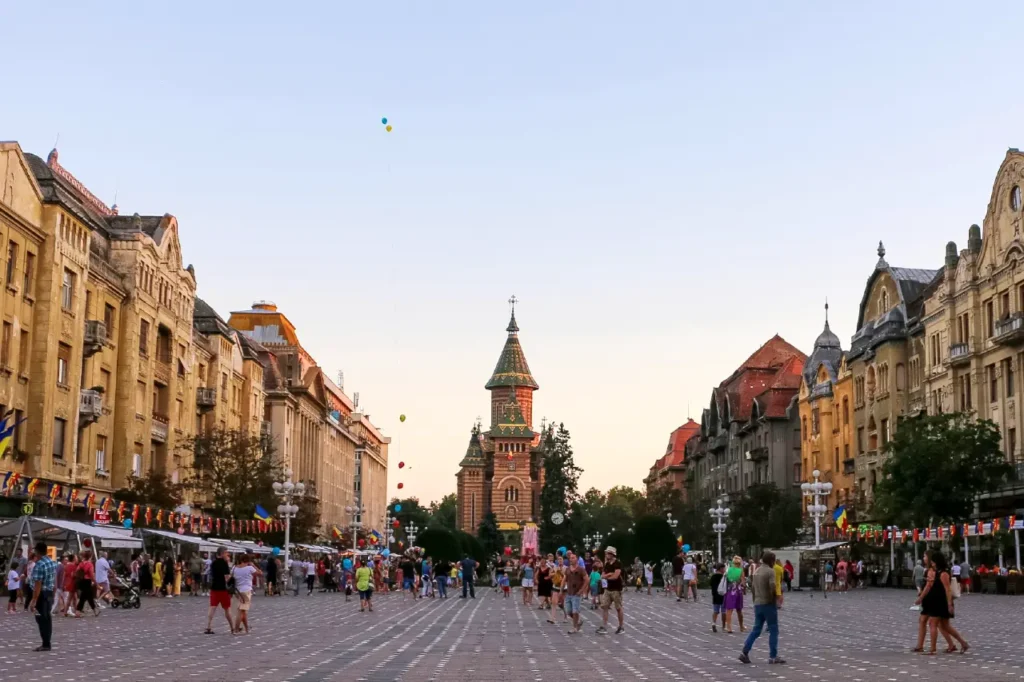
(544, 582)
(936, 600)
(735, 581)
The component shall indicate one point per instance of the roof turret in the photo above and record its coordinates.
(512, 369)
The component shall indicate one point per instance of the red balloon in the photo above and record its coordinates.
(362, 543)
(401, 485)
(401, 465)
(395, 523)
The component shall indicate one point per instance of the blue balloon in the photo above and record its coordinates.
(384, 120)
(398, 507)
(686, 548)
(347, 564)
(386, 553)
(127, 523)
(276, 551)
(561, 551)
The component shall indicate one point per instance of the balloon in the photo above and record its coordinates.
(386, 553)
(508, 551)
(87, 542)
(401, 465)
(400, 544)
(387, 128)
(686, 548)
(395, 523)
(561, 551)
(127, 523)
(275, 551)
(384, 120)
(347, 564)
(401, 417)
(398, 507)
(362, 543)
(401, 485)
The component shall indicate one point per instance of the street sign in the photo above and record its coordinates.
(28, 509)
(100, 517)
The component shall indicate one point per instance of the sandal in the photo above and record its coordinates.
(917, 649)
(950, 650)
(966, 647)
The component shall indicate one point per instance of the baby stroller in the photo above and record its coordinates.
(128, 595)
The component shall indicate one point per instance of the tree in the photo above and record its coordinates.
(412, 513)
(938, 466)
(653, 539)
(439, 544)
(660, 501)
(625, 497)
(763, 516)
(489, 537)
(154, 489)
(444, 514)
(623, 542)
(471, 546)
(561, 478)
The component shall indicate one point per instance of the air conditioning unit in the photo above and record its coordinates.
(747, 456)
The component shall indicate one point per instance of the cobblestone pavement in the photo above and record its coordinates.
(862, 636)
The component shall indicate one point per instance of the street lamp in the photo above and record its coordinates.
(719, 514)
(672, 523)
(410, 532)
(355, 511)
(389, 532)
(598, 536)
(814, 491)
(288, 492)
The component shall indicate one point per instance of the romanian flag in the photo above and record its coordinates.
(7, 431)
(335, 533)
(839, 516)
(261, 514)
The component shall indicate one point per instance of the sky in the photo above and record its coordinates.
(662, 185)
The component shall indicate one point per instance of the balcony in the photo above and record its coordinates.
(1009, 330)
(959, 354)
(757, 454)
(206, 398)
(95, 336)
(158, 431)
(90, 407)
(849, 466)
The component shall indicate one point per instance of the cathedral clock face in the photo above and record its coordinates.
(557, 518)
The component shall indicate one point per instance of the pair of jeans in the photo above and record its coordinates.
(467, 587)
(44, 617)
(442, 587)
(765, 614)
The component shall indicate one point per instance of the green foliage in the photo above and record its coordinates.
(561, 478)
(470, 545)
(439, 544)
(763, 516)
(154, 489)
(412, 513)
(660, 501)
(623, 542)
(938, 465)
(444, 514)
(653, 539)
(489, 537)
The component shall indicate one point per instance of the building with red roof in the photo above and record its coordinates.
(670, 469)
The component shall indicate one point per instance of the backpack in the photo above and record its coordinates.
(954, 587)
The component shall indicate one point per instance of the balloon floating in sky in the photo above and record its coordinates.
(384, 120)
(395, 523)
(398, 507)
(401, 465)
(686, 548)
(388, 128)
(401, 485)
(401, 417)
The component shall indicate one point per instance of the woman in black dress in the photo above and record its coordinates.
(145, 575)
(544, 582)
(936, 602)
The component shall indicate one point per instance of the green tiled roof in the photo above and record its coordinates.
(474, 453)
(511, 423)
(512, 369)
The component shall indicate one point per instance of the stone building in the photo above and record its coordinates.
(826, 418)
(886, 362)
(749, 434)
(310, 438)
(973, 321)
(670, 469)
(502, 471)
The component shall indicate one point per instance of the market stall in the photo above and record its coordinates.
(65, 535)
(178, 540)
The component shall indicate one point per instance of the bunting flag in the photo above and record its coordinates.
(952, 531)
(120, 510)
(981, 527)
(106, 505)
(917, 535)
(54, 492)
(160, 518)
(90, 501)
(995, 526)
(11, 482)
(32, 485)
(72, 498)
(149, 515)
(170, 519)
(135, 513)
(1012, 521)
(967, 530)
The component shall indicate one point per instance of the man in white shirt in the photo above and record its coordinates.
(103, 577)
(690, 579)
(310, 577)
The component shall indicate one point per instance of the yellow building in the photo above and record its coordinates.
(826, 400)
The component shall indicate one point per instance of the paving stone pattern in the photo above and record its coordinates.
(862, 636)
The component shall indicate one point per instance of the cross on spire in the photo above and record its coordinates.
(512, 302)
(512, 326)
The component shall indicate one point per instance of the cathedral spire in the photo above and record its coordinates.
(512, 369)
(512, 327)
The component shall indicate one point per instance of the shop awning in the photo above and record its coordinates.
(59, 531)
(193, 540)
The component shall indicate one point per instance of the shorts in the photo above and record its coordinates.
(611, 598)
(102, 588)
(828, 578)
(408, 584)
(244, 600)
(718, 608)
(221, 598)
(594, 590)
(365, 595)
(572, 604)
(677, 580)
(527, 582)
(14, 596)
(197, 579)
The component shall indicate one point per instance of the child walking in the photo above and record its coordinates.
(717, 598)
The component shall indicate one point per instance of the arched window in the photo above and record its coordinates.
(846, 411)
(884, 300)
(901, 378)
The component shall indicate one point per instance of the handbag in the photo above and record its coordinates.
(954, 587)
(722, 587)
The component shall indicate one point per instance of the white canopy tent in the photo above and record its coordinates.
(66, 534)
(253, 548)
(232, 547)
(178, 539)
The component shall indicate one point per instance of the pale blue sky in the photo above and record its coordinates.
(663, 185)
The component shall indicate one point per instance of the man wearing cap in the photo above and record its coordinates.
(611, 580)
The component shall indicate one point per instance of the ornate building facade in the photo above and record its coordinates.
(826, 418)
(502, 471)
(670, 469)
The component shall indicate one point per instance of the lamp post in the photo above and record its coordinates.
(356, 512)
(814, 491)
(719, 514)
(389, 532)
(597, 537)
(672, 523)
(410, 532)
(288, 492)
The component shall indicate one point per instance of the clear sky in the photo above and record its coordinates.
(663, 185)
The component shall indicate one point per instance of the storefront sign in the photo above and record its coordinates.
(100, 517)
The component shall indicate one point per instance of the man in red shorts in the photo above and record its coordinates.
(219, 595)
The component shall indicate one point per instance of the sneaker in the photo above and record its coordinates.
(619, 630)
(778, 660)
(714, 628)
(602, 630)
(744, 658)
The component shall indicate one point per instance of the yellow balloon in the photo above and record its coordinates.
(401, 418)
(388, 127)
